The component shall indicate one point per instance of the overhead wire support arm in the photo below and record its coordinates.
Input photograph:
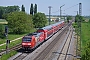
(61, 10)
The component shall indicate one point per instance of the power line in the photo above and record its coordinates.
(65, 9)
(71, 7)
(56, 11)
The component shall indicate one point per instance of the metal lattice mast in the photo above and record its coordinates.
(80, 9)
(49, 14)
(78, 52)
(80, 13)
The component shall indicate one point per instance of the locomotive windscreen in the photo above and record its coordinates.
(25, 39)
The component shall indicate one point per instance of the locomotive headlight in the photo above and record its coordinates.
(29, 43)
(23, 43)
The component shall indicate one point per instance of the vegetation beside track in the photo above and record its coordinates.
(11, 37)
(12, 44)
(85, 39)
(6, 56)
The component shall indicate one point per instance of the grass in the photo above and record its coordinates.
(11, 37)
(85, 34)
(6, 56)
(11, 44)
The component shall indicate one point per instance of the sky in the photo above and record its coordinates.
(70, 7)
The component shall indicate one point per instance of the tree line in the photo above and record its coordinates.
(19, 21)
(33, 10)
(8, 9)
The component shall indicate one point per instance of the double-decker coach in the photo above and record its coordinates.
(48, 31)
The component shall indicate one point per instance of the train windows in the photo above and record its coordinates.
(26, 39)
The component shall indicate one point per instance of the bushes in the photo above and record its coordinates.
(74, 25)
(86, 56)
(85, 41)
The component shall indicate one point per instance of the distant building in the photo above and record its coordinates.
(53, 18)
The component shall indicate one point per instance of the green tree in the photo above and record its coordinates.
(89, 20)
(35, 9)
(79, 18)
(31, 9)
(76, 18)
(19, 22)
(86, 56)
(69, 18)
(39, 20)
(9, 9)
(23, 8)
(1, 13)
(5, 10)
(2, 31)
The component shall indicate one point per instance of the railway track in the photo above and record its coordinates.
(21, 56)
(11, 49)
(64, 50)
(58, 48)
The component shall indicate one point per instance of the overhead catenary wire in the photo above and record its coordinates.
(65, 9)
(70, 7)
(56, 11)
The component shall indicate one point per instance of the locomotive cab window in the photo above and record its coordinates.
(26, 39)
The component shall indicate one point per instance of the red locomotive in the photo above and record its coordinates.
(30, 41)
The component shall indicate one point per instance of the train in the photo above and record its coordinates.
(31, 40)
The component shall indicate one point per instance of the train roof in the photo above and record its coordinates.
(50, 26)
(57, 23)
(37, 34)
(34, 34)
(47, 27)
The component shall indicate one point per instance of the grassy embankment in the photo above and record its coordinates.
(85, 35)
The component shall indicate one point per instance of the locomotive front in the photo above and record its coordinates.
(28, 42)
